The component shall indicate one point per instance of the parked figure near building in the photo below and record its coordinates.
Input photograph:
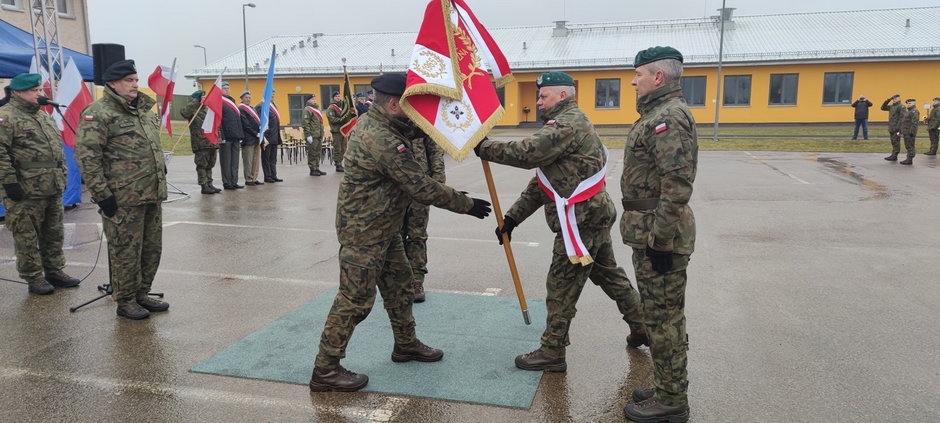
(231, 139)
(894, 108)
(909, 120)
(32, 171)
(251, 123)
(204, 151)
(313, 133)
(933, 126)
(861, 116)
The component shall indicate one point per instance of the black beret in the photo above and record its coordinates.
(335, 93)
(307, 97)
(936, 99)
(392, 84)
(119, 70)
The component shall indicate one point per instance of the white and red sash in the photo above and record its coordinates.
(575, 248)
(315, 111)
(230, 104)
(250, 110)
(276, 113)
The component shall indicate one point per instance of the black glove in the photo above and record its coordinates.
(661, 260)
(480, 209)
(476, 148)
(14, 191)
(108, 206)
(508, 225)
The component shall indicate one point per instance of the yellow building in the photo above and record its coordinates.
(791, 68)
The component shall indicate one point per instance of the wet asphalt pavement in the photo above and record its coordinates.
(812, 297)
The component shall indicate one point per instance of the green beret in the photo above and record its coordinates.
(653, 54)
(910, 100)
(549, 79)
(25, 81)
(198, 93)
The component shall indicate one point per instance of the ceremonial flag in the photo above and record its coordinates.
(265, 109)
(349, 107)
(449, 93)
(162, 81)
(213, 103)
(75, 96)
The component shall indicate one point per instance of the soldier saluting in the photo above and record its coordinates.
(894, 108)
(32, 171)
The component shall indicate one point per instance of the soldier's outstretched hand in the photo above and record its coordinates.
(508, 225)
(480, 209)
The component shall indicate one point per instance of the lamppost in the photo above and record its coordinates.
(204, 61)
(245, 34)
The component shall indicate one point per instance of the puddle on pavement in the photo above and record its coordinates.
(878, 191)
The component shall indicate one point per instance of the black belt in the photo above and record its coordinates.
(642, 204)
(39, 165)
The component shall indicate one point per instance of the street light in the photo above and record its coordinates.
(245, 34)
(204, 61)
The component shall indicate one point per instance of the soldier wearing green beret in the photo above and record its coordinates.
(659, 165)
(205, 152)
(933, 126)
(119, 152)
(569, 155)
(32, 171)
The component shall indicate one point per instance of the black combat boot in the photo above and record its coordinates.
(60, 279)
(892, 158)
(416, 351)
(214, 188)
(643, 394)
(418, 286)
(132, 311)
(637, 337)
(908, 161)
(539, 360)
(153, 304)
(338, 379)
(39, 286)
(340, 168)
(206, 189)
(652, 411)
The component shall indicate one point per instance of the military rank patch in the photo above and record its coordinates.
(661, 127)
(89, 118)
(550, 123)
(401, 148)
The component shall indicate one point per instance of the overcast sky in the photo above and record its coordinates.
(155, 32)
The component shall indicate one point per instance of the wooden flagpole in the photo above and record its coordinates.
(506, 246)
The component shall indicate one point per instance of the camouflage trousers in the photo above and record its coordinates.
(313, 153)
(361, 270)
(205, 161)
(909, 145)
(339, 147)
(664, 313)
(135, 243)
(36, 224)
(414, 232)
(934, 135)
(566, 280)
(895, 140)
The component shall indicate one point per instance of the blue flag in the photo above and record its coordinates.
(265, 111)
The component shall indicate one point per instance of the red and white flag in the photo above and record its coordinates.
(449, 93)
(213, 104)
(75, 96)
(162, 81)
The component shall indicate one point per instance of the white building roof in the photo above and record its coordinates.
(862, 35)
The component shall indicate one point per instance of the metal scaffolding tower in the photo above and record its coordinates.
(47, 49)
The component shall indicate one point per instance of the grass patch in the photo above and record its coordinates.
(779, 144)
(770, 130)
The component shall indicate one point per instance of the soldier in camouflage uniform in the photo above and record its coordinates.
(659, 166)
(567, 151)
(414, 231)
(204, 151)
(120, 156)
(894, 108)
(933, 126)
(32, 171)
(383, 179)
(910, 117)
(313, 132)
(336, 117)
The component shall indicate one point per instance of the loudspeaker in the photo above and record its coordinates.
(103, 55)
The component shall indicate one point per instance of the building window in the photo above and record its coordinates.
(295, 103)
(501, 95)
(326, 94)
(65, 8)
(737, 90)
(783, 88)
(361, 88)
(837, 87)
(12, 5)
(607, 93)
(693, 89)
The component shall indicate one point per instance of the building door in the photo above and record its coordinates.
(528, 95)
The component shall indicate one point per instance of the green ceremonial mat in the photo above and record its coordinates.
(480, 336)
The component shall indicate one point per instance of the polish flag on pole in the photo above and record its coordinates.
(213, 103)
(449, 93)
(75, 96)
(162, 81)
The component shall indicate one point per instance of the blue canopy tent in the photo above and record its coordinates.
(16, 54)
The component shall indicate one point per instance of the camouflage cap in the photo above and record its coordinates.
(25, 81)
(549, 79)
(198, 93)
(118, 70)
(653, 54)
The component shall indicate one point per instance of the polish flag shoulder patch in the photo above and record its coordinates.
(401, 148)
(89, 118)
(661, 127)
(550, 123)
(1, 120)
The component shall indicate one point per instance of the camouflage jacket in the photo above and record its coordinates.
(30, 150)
(119, 152)
(312, 123)
(429, 155)
(894, 114)
(382, 178)
(568, 151)
(335, 117)
(197, 139)
(933, 119)
(659, 163)
(909, 120)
